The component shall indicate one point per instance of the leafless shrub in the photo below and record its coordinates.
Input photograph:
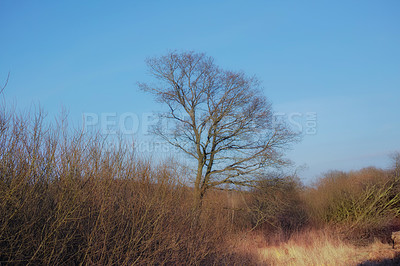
(275, 205)
(65, 199)
(363, 203)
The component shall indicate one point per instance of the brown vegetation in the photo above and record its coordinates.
(65, 198)
(362, 204)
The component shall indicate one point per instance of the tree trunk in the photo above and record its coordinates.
(197, 193)
(197, 207)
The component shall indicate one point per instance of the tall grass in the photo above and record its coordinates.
(312, 248)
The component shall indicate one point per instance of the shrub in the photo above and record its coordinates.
(361, 203)
(276, 206)
(65, 198)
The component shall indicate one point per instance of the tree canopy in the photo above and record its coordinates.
(220, 118)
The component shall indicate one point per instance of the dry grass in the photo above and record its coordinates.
(314, 247)
(311, 248)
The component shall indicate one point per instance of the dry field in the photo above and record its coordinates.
(315, 248)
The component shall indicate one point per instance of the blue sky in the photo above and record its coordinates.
(337, 59)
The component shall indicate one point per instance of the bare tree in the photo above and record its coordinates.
(4, 117)
(5, 84)
(220, 118)
(396, 164)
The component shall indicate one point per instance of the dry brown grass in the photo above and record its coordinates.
(314, 247)
(310, 248)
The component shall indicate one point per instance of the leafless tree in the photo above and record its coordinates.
(5, 84)
(396, 164)
(4, 117)
(220, 118)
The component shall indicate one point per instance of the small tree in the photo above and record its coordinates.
(220, 118)
(5, 83)
(396, 164)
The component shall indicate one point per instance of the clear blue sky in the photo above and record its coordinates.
(338, 59)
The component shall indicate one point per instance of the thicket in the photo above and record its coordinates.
(361, 204)
(358, 205)
(68, 198)
(275, 206)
